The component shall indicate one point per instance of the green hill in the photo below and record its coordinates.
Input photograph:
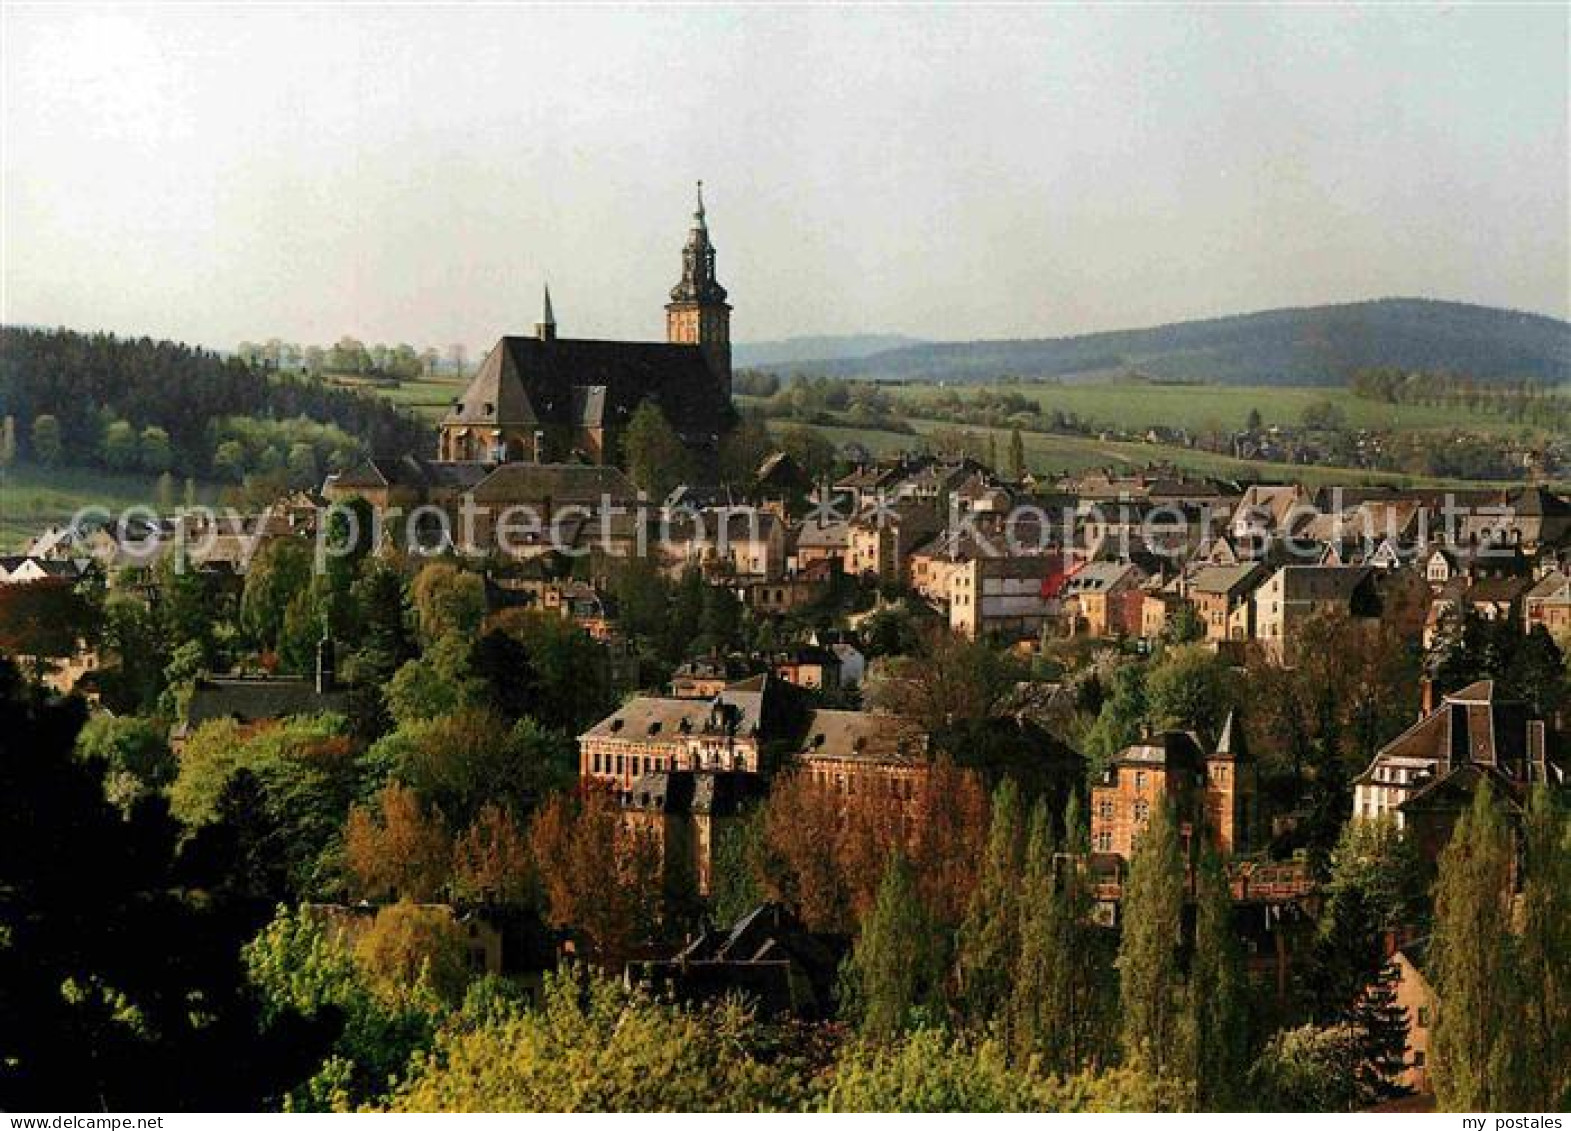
(1317, 345)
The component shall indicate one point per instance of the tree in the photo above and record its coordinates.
(654, 454)
(599, 875)
(735, 888)
(743, 451)
(896, 968)
(1215, 1027)
(135, 758)
(43, 620)
(1545, 953)
(594, 1044)
(813, 452)
(953, 680)
(491, 861)
(1190, 687)
(447, 599)
(1149, 989)
(1323, 416)
(1017, 455)
(154, 452)
(47, 442)
(989, 941)
(412, 945)
(361, 1038)
(398, 848)
(280, 572)
(1477, 1022)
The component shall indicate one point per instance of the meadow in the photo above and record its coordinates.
(1197, 408)
(32, 498)
(1052, 454)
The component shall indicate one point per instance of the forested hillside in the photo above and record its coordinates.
(1319, 345)
(137, 404)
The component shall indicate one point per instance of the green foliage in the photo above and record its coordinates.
(1189, 688)
(895, 973)
(308, 778)
(654, 455)
(594, 1045)
(459, 762)
(1474, 1048)
(1119, 720)
(930, 1072)
(1545, 954)
(1214, 1031)
(48, 443)
(437, 683)
(1304, 1069)
(734, 885)
(989, 943)
(135, 757)
(298, 971)
(279, 574)
(1150, 993)
(447, 599)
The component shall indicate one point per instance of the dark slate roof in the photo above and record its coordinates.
(562, 484)
(719, 793)
(409, 471)
(568, 382)
(253, 699)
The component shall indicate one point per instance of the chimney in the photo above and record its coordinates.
(1427, 687)
(326, 676)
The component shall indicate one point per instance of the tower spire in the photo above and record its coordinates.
(545, 329)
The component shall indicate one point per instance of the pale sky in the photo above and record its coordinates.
(415, 173)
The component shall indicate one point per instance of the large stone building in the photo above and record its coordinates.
(1213, 793)
(548, 399)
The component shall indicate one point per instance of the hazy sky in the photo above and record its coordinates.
(415, 173)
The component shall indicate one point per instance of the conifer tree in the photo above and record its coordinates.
(1148, 982)
(1038, 1012)
(1379, 1039)
(1215, 1027)
(989, 937)
(896, 968)
(1472, 1051)
(1017, 455)
(1546, 955)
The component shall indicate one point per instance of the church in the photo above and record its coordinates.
(545, 399)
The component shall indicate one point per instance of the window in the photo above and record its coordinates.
(1418, 1058)
(1104, 842)
(1423, 1017)
(1142, 811)
(1140, 779)
(1105, 810)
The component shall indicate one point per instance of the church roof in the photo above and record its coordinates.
(575, 383)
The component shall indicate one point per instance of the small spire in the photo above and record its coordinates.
(545, 329)
(699, 215)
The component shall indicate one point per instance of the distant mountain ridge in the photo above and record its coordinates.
(1318, 345)
(822, 347)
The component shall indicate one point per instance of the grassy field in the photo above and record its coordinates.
(428, 399)
(32, 498)
(1053, 454)
(1202, 407)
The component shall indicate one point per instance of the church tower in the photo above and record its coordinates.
(698, 313)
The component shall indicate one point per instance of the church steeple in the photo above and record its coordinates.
(698, 313)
